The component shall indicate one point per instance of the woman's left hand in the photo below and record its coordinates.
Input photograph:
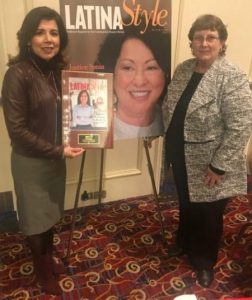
(71, 152)
(212, 179)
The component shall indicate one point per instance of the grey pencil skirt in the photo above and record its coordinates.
(40, 190)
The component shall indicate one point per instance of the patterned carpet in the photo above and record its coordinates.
(118, 253)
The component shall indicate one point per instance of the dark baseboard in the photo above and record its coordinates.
(9, 222)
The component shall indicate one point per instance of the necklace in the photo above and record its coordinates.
(55, 87)
(52, 83)
(40, 71)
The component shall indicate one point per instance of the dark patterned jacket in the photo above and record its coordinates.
(217, 127)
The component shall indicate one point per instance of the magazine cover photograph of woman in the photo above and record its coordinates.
(141, 66)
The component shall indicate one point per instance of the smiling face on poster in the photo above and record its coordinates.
(130, 39)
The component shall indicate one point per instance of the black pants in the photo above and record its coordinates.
(200, 224)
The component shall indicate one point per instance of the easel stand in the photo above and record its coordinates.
(77, 195)
(101, 176)
(146, 147)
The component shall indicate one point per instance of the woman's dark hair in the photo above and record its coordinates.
(210, 22)
(80, 94)
(156, 38)
(28, 30)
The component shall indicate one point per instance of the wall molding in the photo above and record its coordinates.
(178, 32)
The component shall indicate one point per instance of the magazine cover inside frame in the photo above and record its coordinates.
(87, 109)
(96, 29)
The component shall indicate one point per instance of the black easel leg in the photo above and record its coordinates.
(77, 195)
(101, 177)
(154, 186)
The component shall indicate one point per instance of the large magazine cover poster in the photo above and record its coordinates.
(87, 109)
(131, 39)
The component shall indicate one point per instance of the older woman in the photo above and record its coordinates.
(208, 122)
(32, 108)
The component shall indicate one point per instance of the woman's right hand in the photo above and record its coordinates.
(212, 179)
(71, 152)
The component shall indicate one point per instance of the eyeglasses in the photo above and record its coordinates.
(209, 38)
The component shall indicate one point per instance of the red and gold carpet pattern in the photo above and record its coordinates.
(118, 253)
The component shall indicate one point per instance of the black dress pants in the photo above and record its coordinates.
(200, 224)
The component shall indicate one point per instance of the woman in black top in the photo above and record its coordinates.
(208, 121)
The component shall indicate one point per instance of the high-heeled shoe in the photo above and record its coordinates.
(205, 277)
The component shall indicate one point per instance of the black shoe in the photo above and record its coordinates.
(205, 277)
(175, 250)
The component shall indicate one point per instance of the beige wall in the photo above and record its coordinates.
(236, 14)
